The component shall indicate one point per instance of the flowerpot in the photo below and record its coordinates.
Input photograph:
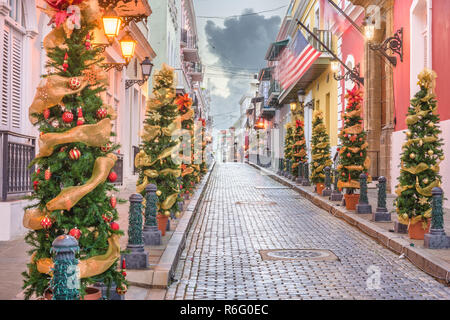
(319, 188)
(91, 294)
(162, 223)
(351, 200)
(418, 230)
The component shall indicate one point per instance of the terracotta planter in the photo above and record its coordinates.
(91, 294)
(162, 223)
(319, 188)
(417, 232)
(351, 200)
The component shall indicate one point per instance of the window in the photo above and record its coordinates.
(17, 11)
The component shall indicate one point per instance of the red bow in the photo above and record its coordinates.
(62, 4)
(299, 123)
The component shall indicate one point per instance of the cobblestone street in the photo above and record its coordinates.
(244, 212)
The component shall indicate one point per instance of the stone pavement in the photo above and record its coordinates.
(244, 212)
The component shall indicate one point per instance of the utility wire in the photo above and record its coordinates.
(242, 15)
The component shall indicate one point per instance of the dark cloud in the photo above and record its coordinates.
(241, 43)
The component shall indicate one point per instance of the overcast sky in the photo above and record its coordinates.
(233, 49)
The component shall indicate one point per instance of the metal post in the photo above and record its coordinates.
(65, 282)
(137, 258)
(152, 236)
(327, 191)
(437, 239)
(382, 213)
(363, 207)
(300, 173)
(336, 195)
(306, 182)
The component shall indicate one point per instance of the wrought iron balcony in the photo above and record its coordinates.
(17, 152)
(274, 92)
(325, 36)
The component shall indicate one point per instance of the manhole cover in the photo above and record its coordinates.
(298, 254)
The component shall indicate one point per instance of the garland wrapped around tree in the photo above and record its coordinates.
(422, 155)
(299, 153)
(288, 143)
(154, 161)
(321, 156)
(203, 166)
(353, 159)
(197, 150)
(75, 160)
(187, 125)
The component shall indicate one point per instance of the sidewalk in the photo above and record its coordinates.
(434, 262)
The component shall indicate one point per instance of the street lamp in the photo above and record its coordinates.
(293, 105)
(301, 95)
(146, 67)
(127, 46)
(335, 66)
(111, 25)
(353, 75)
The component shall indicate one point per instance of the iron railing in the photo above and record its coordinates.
(118, 169)
(135, 152)
(18, 151)
(325, 36)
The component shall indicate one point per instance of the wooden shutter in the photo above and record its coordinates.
(5, 84)
(16, 79)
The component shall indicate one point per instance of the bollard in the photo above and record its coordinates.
(336, 195)
(283, 171)
(65, 282)
(300, 173)
(293, 177)
(279, 166)
(437, 239)
(152, 236)
(137, 258)
(305, 182)
(327, 191)
(288, 173)
(363, 207)
(382, 213)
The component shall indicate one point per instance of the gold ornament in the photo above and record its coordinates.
(442, 158)
(167, 213)
(408, 134)
(412, 155)
(431, 125)
(430, 152)
(426, 180)
(158, 193)
(423, 201)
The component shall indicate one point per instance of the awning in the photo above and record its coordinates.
(275, 49)
(265, 74)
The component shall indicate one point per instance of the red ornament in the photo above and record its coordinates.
(107, 217)
(35, 185)
(46, 222)
(75, 232)
(46, 114)
(47, 174)
(361, 154)
(106, 147)
(38, 171)
(343, 174)
(348, 155)
(112, 176)
(88, 42)
(66, 62)
(75, 83)
(67, 117)
(80, 120)
(181, 187)
(338, 149)
(74, 154)
(114, 226)
(113, 202)
(102, 113)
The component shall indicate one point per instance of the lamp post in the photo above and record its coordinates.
(147, 67)
(127, 47)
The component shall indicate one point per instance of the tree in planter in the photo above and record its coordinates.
(299, 154)
(422, 154)
(353, 159)
(321, 156)
(75, 158)
(156, 161)
(186, 112)
(288, 144)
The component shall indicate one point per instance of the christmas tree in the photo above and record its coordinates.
(203, 166)
(72, 195)
(353, 159)
(157, 161)
(299, 154)
(422, 154)
(186, 112)
(321, 156)
(288, 143)
(197, 150)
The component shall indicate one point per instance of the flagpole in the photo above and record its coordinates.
(345, 15)
(355, 76)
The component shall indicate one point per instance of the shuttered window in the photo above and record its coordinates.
(11, 79)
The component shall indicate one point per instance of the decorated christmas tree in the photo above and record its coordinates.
(422, 154)
(185, 110)
(299, 153)
(353, 159)
(321, 156)
(203, 166)
(157, 160)
(288, 143)
(75, 160)
(197, 150)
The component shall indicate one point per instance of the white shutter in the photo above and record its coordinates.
(5, 84)
(16, 80)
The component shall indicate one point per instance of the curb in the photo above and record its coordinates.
(430, 264)
(163, 273)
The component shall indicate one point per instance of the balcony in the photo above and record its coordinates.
(17, 152)
(189, 47)
(184, 38)
(196, 72)
(274, 92)
(325, 36)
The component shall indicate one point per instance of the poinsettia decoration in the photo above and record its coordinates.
(299, 123)
(183, 102)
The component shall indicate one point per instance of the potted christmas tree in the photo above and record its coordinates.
(299, 154)
(320, 151)
(155, 161)
(420, 159)
(288, 146)
(353, 159)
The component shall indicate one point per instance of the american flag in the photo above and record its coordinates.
(295, 61)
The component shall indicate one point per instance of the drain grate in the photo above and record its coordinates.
(273, 188)
(257, 203)
(298, 254)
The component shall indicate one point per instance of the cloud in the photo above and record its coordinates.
(240, 46)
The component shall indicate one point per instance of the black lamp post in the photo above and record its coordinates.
(147, 67)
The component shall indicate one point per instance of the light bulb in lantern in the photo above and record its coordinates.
(335, 66)
(111, 25)
(369, 31)
(127, 45)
